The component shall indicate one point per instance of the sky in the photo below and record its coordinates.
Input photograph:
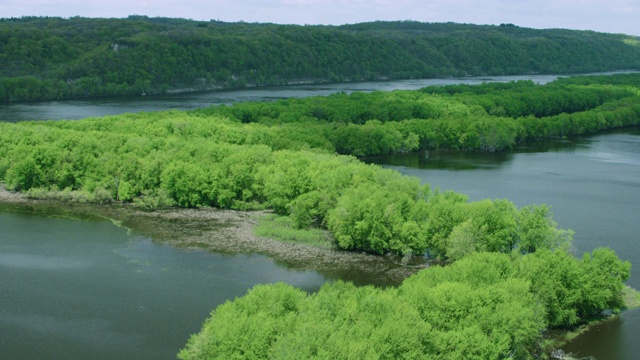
(610, 16)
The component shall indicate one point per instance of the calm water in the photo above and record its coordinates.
(75, 289)
(593, 186)
(80, 109)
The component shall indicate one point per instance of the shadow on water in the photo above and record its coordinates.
(609, 340)
(474, 160)
(443, 160)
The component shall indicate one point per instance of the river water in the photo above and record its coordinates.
(89, 289)
(593, 187)
(82, 108)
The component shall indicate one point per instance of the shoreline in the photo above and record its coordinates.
(231, 232)
(224, 231)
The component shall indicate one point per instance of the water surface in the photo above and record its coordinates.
(593, 187)
(97, 107)
(74, 289)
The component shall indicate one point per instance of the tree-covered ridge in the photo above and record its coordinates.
(52, 58)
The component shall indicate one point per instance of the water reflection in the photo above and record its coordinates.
(444, 160)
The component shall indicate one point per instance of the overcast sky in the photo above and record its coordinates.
(612, 16)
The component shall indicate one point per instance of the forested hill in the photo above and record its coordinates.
(52, 58)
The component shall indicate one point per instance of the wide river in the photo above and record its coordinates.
(79, 289)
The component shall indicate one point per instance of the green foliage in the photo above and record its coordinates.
(250, 327)
(572, 290)
(488, 117)
(283, 228)
(54, 58)
(484, 306)
(278, 156)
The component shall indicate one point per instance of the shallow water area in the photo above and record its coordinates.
(86, 289)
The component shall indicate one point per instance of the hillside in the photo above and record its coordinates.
(53, 58)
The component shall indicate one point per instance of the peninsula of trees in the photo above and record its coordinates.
(54, 58)
(296, 157)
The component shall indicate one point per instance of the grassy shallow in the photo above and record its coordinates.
(281, 228)
(631, 297)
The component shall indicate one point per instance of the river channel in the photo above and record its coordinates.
(85, 288)
(83, 108)
(593, 187)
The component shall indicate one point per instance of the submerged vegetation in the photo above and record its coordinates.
(512, 275)
(54, 58)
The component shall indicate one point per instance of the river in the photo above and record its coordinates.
(593, 187)
(89, 289)
(95, 107)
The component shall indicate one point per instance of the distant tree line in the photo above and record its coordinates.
(54, 58)
(488, 117)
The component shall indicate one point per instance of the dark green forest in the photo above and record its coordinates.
(54, 58)
(510, 276)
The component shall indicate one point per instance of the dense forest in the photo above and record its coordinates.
(54, 58)
(511, 275)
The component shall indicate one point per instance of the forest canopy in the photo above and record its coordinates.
(485, 306)
(54, 58)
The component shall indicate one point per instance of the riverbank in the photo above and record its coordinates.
(224, 231)
(232, 232)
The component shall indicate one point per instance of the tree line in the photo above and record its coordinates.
(54, 58)
(488, 117)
